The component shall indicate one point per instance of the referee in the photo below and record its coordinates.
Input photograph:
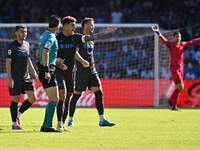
(47, 51)
(18, 64)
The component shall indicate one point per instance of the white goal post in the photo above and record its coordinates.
(128, 36)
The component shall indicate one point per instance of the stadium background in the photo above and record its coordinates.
(169, 15)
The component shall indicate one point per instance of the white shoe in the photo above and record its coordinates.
(59, 126)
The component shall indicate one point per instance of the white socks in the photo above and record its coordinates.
(15, 123)
(71, 119)
(19, 114)
(102, 117)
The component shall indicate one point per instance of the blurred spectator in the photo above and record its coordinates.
(116, 15)
(190, 75)
(147, 74)
(124, 59)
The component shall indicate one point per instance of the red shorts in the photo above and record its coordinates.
(177, 75)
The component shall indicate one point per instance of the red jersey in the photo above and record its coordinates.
(177, 50)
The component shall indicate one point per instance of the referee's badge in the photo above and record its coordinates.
(9, 52)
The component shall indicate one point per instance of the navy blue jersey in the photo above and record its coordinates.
(19, 53)
(86, 51)
(67, 49)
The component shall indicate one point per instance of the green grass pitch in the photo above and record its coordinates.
(136, 129)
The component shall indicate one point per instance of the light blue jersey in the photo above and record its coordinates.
(48, 42)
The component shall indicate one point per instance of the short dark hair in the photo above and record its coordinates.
(54, 20)
(176, 33)
(85, 20)
(67, 20)
(19, 26)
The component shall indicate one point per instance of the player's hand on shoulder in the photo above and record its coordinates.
(85, 63)
(10, 83)
(110, 29)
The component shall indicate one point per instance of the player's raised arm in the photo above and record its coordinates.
(99, 35)
(192, 42)
(156, 30)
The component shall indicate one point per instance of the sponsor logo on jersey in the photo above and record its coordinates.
(69, 45)
(47, 45)
(23, 54)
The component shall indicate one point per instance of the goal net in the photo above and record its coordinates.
(132, 64)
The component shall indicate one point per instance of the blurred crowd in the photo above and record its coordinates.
(169, 14)
(179, 14)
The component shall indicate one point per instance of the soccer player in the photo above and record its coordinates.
(176, 50)
(47, 50)
(68, 41)
(18, 64)
(87, 76)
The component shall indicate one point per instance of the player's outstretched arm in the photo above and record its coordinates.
(156, 29)
(100, 35)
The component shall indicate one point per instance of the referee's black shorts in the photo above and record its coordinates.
(44, 81)
(86, 79)
(66, 80)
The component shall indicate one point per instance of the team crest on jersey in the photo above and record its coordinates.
(47, 45)
(72, 39)
(9, 52)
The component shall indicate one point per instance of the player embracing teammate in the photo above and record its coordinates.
(68, 42)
